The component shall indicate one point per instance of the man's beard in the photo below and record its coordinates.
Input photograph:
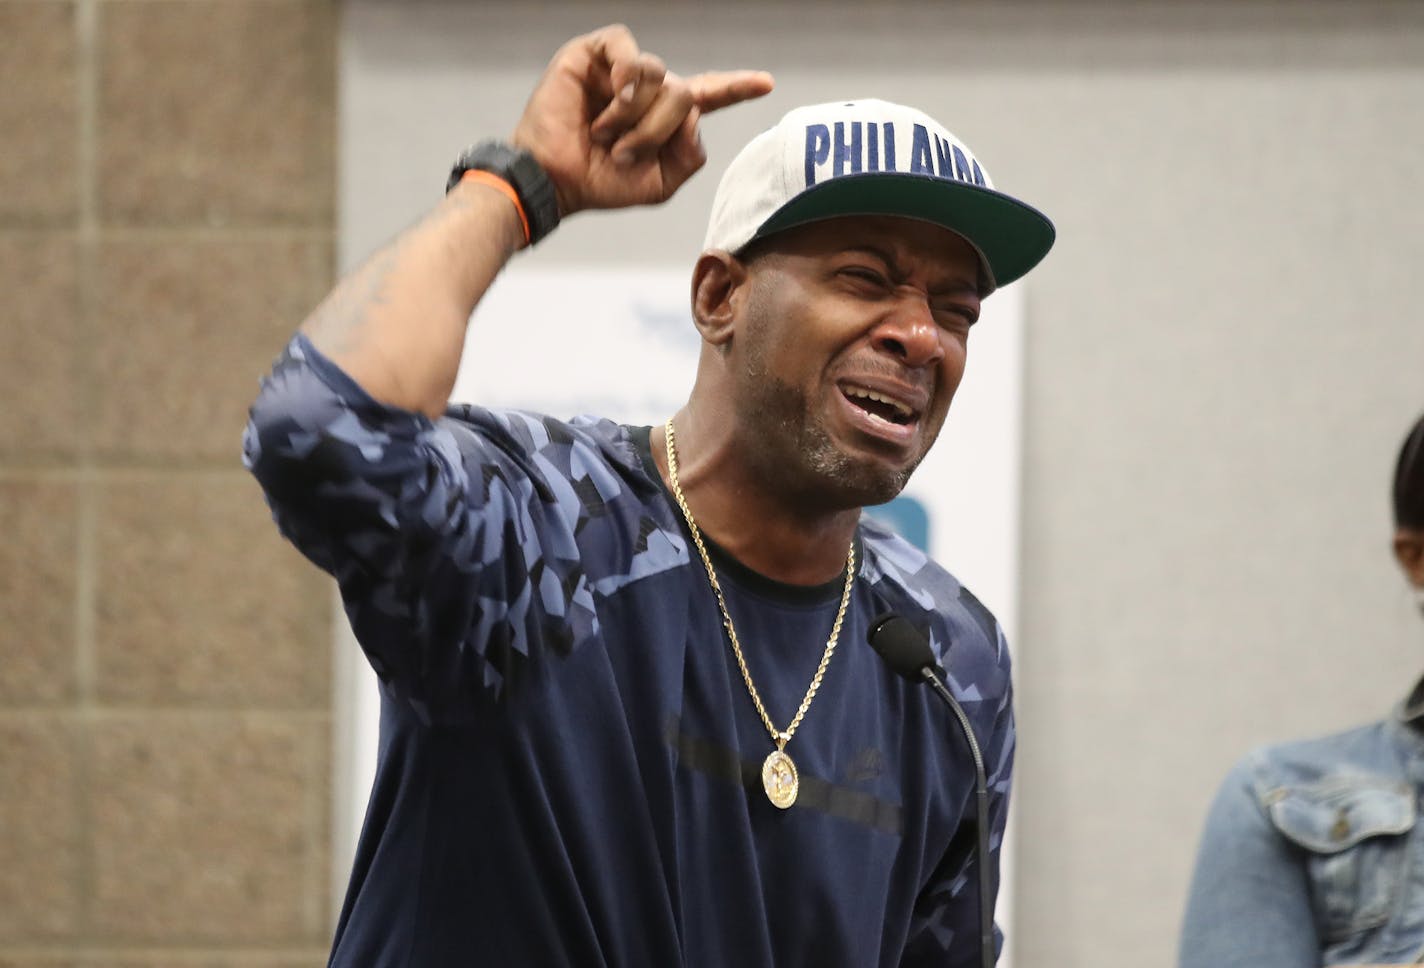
(793, 449)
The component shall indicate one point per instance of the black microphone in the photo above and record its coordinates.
(908, 653)
(901, 644)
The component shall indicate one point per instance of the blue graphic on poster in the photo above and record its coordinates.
(905, 516)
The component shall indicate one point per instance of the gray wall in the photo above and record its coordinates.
(1223, 353)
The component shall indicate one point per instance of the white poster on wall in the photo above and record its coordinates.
(620, 343)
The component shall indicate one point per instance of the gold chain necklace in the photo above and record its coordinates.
(778, 770)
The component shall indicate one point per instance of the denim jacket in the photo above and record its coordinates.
(1313, 854)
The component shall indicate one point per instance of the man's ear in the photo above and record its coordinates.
(717, 282)
(1409, 549)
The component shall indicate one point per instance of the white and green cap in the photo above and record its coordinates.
(873, 158)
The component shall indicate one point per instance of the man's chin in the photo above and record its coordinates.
(862, 483)
(883, 491)
(843, 472)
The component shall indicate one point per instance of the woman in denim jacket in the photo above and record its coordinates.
(1311, 853)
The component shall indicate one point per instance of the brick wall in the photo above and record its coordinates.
(166, 218)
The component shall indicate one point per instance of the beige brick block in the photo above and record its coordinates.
(39, 829)
(201, 829)
(199, 600)
(38, 113)
(39, 303)
(217, 113)
(185, 330)
(313, 958)
(39, 520)
(308, 958)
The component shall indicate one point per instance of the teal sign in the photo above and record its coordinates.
(907, 517)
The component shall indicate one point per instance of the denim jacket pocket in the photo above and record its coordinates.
(1352, 828)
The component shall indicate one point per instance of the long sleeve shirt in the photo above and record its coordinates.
(570, 762)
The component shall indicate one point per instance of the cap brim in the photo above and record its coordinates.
(1011, 236)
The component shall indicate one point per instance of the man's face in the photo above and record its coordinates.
(850, 343)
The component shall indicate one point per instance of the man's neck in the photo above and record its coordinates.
(759, 529)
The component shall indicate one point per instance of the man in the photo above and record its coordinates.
(628, 712)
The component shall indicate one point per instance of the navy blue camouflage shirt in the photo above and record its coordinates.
(569, 765)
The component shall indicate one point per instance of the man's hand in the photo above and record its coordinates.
(614, 127)
(611, 127)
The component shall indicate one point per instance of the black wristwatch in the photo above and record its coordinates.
(528, 178)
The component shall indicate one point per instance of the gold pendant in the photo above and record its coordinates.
(779, 777)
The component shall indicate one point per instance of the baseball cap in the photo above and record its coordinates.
(873, 157)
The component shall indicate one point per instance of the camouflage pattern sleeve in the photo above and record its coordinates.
(436, 534)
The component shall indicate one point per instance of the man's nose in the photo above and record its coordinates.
(910, 334)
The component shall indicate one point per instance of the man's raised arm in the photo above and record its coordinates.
(609, 126)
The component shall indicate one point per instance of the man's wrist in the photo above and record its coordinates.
(490, 180)
(533, 191)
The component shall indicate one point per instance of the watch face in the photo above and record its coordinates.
(494, 157)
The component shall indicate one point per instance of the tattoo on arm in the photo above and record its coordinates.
(335, 325)
(396, 324)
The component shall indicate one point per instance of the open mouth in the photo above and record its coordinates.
(880, 406)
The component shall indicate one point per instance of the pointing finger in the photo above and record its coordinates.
(720, 89)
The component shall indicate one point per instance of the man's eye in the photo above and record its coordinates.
(866, 275)
(956, 315)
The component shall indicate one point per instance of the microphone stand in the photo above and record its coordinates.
(981, 805)
(907, 651)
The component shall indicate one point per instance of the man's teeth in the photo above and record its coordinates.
(900, 409)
